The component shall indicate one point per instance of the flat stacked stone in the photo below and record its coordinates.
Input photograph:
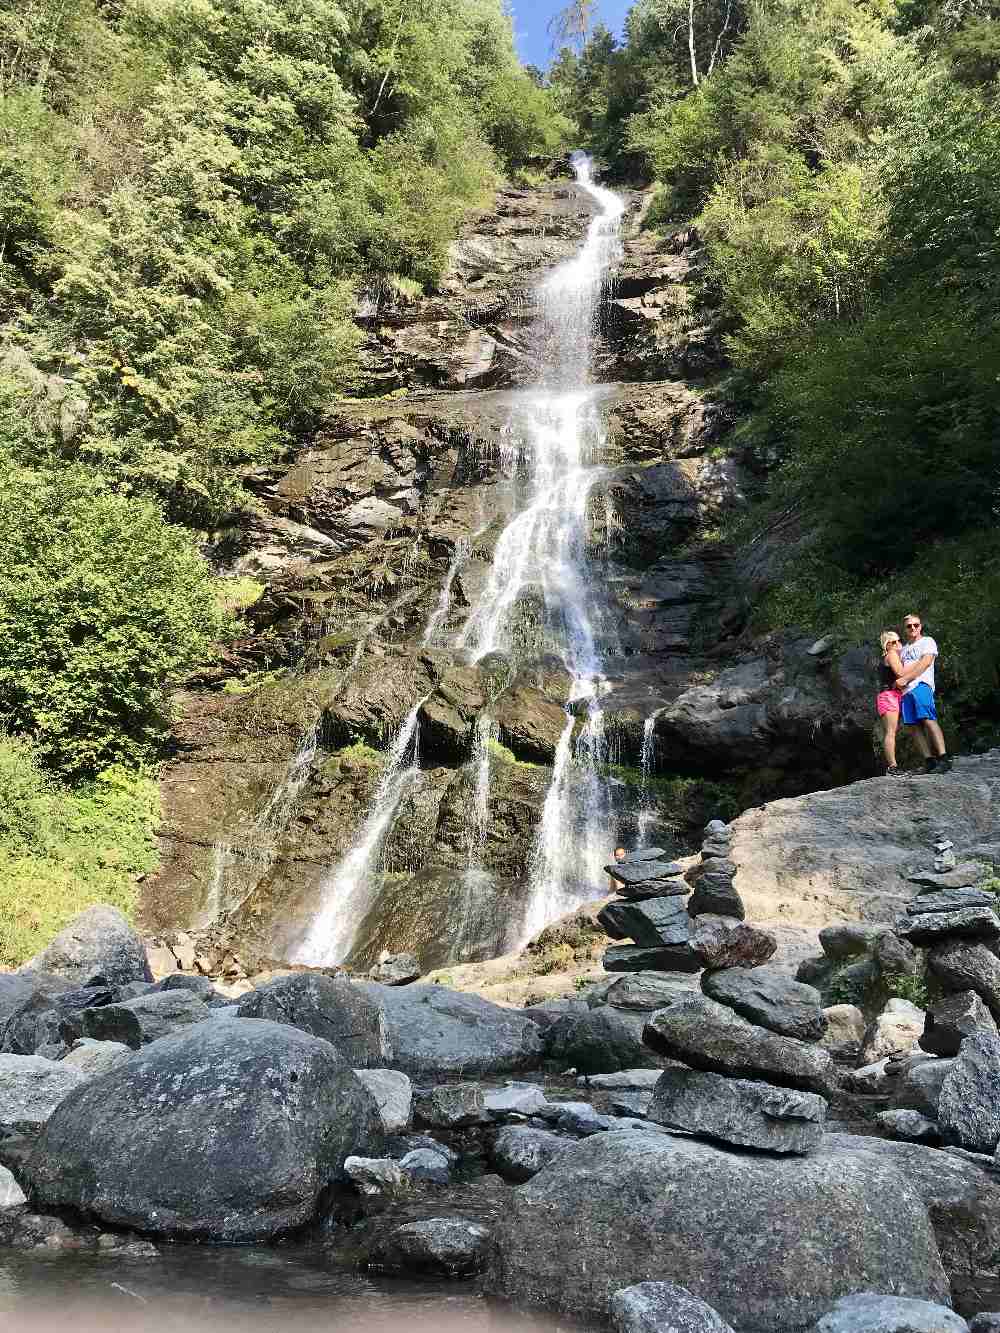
(651, 911)
(714, 890)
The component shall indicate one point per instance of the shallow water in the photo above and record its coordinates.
(190, 1289)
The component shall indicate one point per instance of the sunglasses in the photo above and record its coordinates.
(912, 624)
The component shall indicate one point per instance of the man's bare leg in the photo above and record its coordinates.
(916, 730)
(933, 735)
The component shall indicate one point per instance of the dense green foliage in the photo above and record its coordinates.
(63, 851)
(841, 161)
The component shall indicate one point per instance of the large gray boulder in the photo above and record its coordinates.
(962, 966)
(662, 1307)
(99, 946)
(969, 1105)
(652, 921)
(437, 1032)
(600, 1041)
(869, 1312)
(949, 1021)
(229, 1131)
(961, 1195)
(333, 1008)
(770, 999)
(770, 1243)
(746, 1113)
(31, 1088)
(918, 1087)
(145, 1019)
(706, 1035)
(27, 1016)
(520, 1151)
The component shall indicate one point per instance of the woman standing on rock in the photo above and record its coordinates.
(887, 700)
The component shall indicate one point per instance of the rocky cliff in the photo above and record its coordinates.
(372, 545)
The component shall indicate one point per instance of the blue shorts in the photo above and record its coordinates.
(918, 705)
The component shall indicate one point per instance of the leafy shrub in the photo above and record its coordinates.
(101, 604)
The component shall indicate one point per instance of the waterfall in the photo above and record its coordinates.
(463, 549)
(646, 758)
(349, 891)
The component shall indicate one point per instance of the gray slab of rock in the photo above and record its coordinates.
(399, 1146)
(648, 854)
(961, 966)
(28, 1018)
(427, 1165)
(145, 1019)
(189, 981)
(869, 1312)
(771, 1243)
(895, 1031)
(18, 987)
(546, 1014)
(98, 946)
(633, 1105)
(600, 1041)
(711, 1036)
(846, 939)
(713, 864)
(871, 1080)
(950, 900)
(964, 875)
(228, 1131)
(393, 1095)
(715, 895)
(519, 1151)
(30, 1090)
(918, 1087)
(333, 1008)
(969, 1106)
(739, 1111)
(631, 1079)
(769, 998)
(638, 958)
(579, 1118)
(654, 888)
(845, 1027)
(949, 1021)
(379, 1180)
(642, 992)
(516, 1099)
(979, 923)
(11, 1193)
(640, 872)
(94, 1058)
(661, 1307)
(435, 1032)
(651, 922)
(438, 1247)
(910, 1126)
(725, 942)
(396, 969)
(450, 1106)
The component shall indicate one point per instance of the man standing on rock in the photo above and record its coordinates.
(918, 656)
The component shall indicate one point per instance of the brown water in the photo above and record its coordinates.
(189, 1289)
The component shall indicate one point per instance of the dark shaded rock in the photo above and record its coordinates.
(530, 722)
(649, 854)
(436, 1248)
(895, 957)
(771, 1243)
(721, 942)
(451, 1106)
(661, 1307)
(918, 1087)
(711, 1036)
(30, 1090)
(28, 1018)
(434, 1031)
(229, 1131)
(748, 1114)
(98, 947)
(716, 896)
(399, 1147)
(597, 1042)
(579, 1118)
(969, 1105)
(652, 922)
(643, 991)
(950, 900)
(146, 1019)
(427, 1165)
(960, 966)
(329, 1007)
(846, 939)
(987, 1322)
(654, 888)
(519, 1152)
(633, 873)
(379, 1181)
(948, 1022)
(396, 969)
(770, 999)
(638, 958)
(634, 1104)
(869, 1312)
(845, 1028)
(546, 1014)
(967, 923)
(910, 1126)
(200, 986)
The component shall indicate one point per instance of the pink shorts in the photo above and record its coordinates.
(887, 701)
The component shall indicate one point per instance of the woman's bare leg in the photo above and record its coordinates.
(890, 724)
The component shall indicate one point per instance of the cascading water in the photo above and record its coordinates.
(348, 893)
(646, 759)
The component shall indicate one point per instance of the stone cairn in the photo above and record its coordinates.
(745, 1064)
(941, 1066)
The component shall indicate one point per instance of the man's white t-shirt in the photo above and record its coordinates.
(912, 652)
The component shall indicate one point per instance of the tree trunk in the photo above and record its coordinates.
(694, 59)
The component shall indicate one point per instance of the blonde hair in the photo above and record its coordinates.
(886, 637)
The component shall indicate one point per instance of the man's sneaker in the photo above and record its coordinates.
(893, 771)
(930, 765)
(944, 763)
